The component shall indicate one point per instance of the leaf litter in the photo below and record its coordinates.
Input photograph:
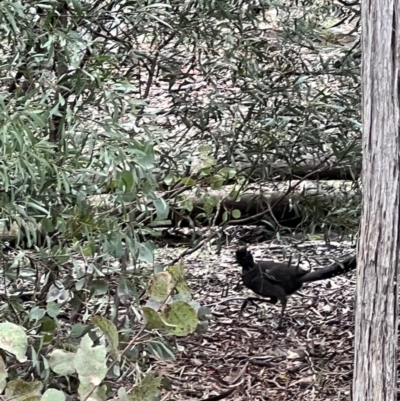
(246, 357)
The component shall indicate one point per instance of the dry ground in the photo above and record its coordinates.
(248, 358)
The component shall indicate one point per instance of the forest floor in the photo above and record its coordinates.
(246, 357)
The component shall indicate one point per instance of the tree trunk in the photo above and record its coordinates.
(375, 375)
(277, 171)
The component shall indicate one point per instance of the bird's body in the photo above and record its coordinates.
(278, 280)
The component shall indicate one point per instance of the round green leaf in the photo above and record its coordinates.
(153, 320)
(183, 316)
(147, 390)
(90, 362)
(160, 286)
(236, 213)
(53, 395)
(13, 340)
(62, 362)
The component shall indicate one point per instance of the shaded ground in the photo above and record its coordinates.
(311, 358)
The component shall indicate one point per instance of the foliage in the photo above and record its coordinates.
(111, 112)
(180, 316)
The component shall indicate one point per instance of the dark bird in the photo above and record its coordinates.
(276, 281)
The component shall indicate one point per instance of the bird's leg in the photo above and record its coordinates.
(253, 301)
(282, 312)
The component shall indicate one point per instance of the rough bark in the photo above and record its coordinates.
(273, 206)
(375, 370)
(280, 172)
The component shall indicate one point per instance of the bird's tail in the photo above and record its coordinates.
(245, 258)
(333, 270)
